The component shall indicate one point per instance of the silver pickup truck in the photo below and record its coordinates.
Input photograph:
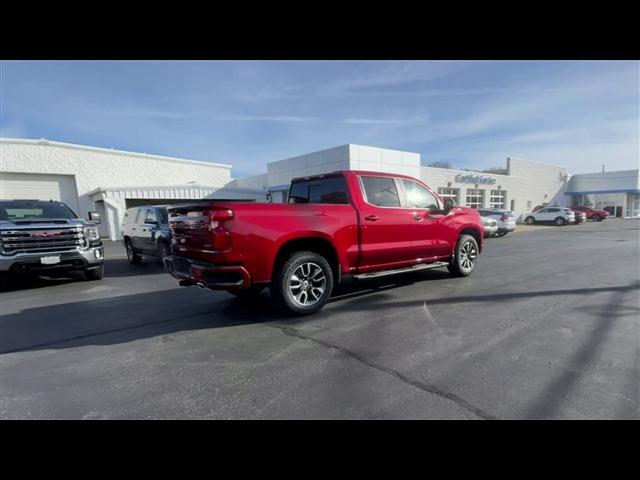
(47, 237)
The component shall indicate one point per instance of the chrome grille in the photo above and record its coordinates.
(40, 240)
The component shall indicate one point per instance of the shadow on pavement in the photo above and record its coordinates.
(120, 267)
(132, 317)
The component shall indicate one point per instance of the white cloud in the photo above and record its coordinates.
(377, 121)
(273, 118)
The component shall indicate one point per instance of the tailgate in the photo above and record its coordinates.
(190, 226)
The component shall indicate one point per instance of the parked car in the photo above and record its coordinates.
(593, 214)
(581, 217)
(348, 223)
(47, 237)
(490, 226)
(506, 220)
(557, 215)
(145, 233)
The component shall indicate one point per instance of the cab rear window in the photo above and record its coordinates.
(332, 190)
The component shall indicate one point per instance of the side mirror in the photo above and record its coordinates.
(94, 217)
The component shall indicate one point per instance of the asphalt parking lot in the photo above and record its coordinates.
(548, 327)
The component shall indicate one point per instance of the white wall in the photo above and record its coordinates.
(256, 182)
(344, 157)
(282, 171)
(99, 167)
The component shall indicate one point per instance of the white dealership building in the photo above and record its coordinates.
(110, 181)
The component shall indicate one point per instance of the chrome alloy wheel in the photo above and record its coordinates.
(468, 255)
(307, 284)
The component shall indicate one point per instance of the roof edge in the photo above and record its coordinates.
(53, 143)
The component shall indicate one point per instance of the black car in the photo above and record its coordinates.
(145, 233)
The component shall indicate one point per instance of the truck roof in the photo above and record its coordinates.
(352, 172)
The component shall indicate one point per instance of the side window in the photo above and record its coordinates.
(381, 191)
(140, 213)
(163, 215)
(553, 210)
(151, 216)
(543, 210)
(418, 196)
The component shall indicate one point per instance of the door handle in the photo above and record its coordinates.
(320, 214)
(371, 218)
(417, 217)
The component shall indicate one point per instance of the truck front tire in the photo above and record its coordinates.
(303, 283)
(465, 257)
(94, 273)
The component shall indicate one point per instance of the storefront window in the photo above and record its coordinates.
(475, 198)
(452, 193)
(498, 199)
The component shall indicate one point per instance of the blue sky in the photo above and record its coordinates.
(472, 114)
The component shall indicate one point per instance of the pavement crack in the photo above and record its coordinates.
(429, 388)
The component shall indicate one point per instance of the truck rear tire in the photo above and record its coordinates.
(94, 273)
(132, 256)
(302, 284)
(465, 258)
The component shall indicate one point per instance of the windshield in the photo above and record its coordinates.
(34, 210)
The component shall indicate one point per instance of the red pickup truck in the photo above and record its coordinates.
(357, 223)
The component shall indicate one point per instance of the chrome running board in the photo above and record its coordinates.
(413, 268)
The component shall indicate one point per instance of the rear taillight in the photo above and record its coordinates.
(220, 236)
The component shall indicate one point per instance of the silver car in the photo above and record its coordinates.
(506, 220)
(490, 226)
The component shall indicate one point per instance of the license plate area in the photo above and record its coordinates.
(50, 260)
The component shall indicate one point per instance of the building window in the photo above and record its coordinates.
(452, 193)
(475, 198)
(498, 199)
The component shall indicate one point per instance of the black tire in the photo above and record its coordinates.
(313, 274)
(529, 220)
(252, 291)
(132, 256)
(466, 254)
(95, 273)
(596, 218)
(560, 221)
(163, 251)
(502, 234)
(5, 281)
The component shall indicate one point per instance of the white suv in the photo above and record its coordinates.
(557, 215)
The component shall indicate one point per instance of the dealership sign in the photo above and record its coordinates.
(475, 179)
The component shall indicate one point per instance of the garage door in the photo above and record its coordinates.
(40, 187)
